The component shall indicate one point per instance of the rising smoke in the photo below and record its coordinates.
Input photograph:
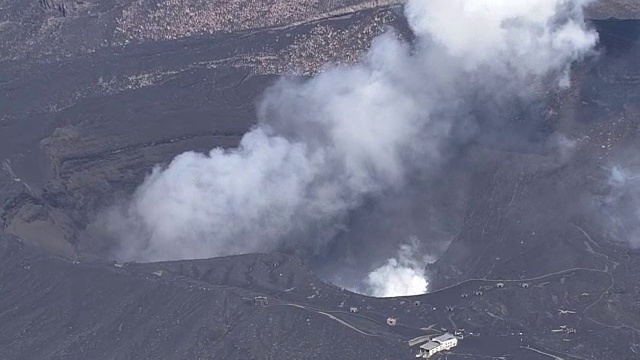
(620, 204)
(323, 148)
(400, 275)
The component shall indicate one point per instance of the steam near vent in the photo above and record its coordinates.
(620, 204)
(400, 275)
(323, 146)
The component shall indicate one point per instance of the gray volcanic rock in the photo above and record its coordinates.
(511, 195)
(62, 28)
(65, 152)
(531, 219)
(82, 131)
(54, 308)
(615, 9)
(94, 94)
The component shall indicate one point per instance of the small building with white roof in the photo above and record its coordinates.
(443, 342)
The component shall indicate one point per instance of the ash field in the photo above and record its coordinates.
(457, 168)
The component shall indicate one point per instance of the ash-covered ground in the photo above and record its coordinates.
(93, 95)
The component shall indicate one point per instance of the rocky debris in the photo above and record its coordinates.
(329, 44)
(57, 29)
(58, 308)
(59, 6)
(614, 9)
(85, 160)
(173, 19)
(243, 307)
(82, 126)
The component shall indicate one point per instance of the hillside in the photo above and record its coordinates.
(94, 94)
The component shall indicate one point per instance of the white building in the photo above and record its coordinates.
(437, 344)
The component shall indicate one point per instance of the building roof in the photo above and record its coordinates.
(429, 346)
(444, 337)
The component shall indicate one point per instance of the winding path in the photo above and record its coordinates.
(329, 316)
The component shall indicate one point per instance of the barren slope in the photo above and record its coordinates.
(84, 117)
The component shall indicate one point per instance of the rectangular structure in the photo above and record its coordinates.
(437, 344)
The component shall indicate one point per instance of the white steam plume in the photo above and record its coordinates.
(403, 275)
(621, 206)
(527, 37)
(323, 146)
